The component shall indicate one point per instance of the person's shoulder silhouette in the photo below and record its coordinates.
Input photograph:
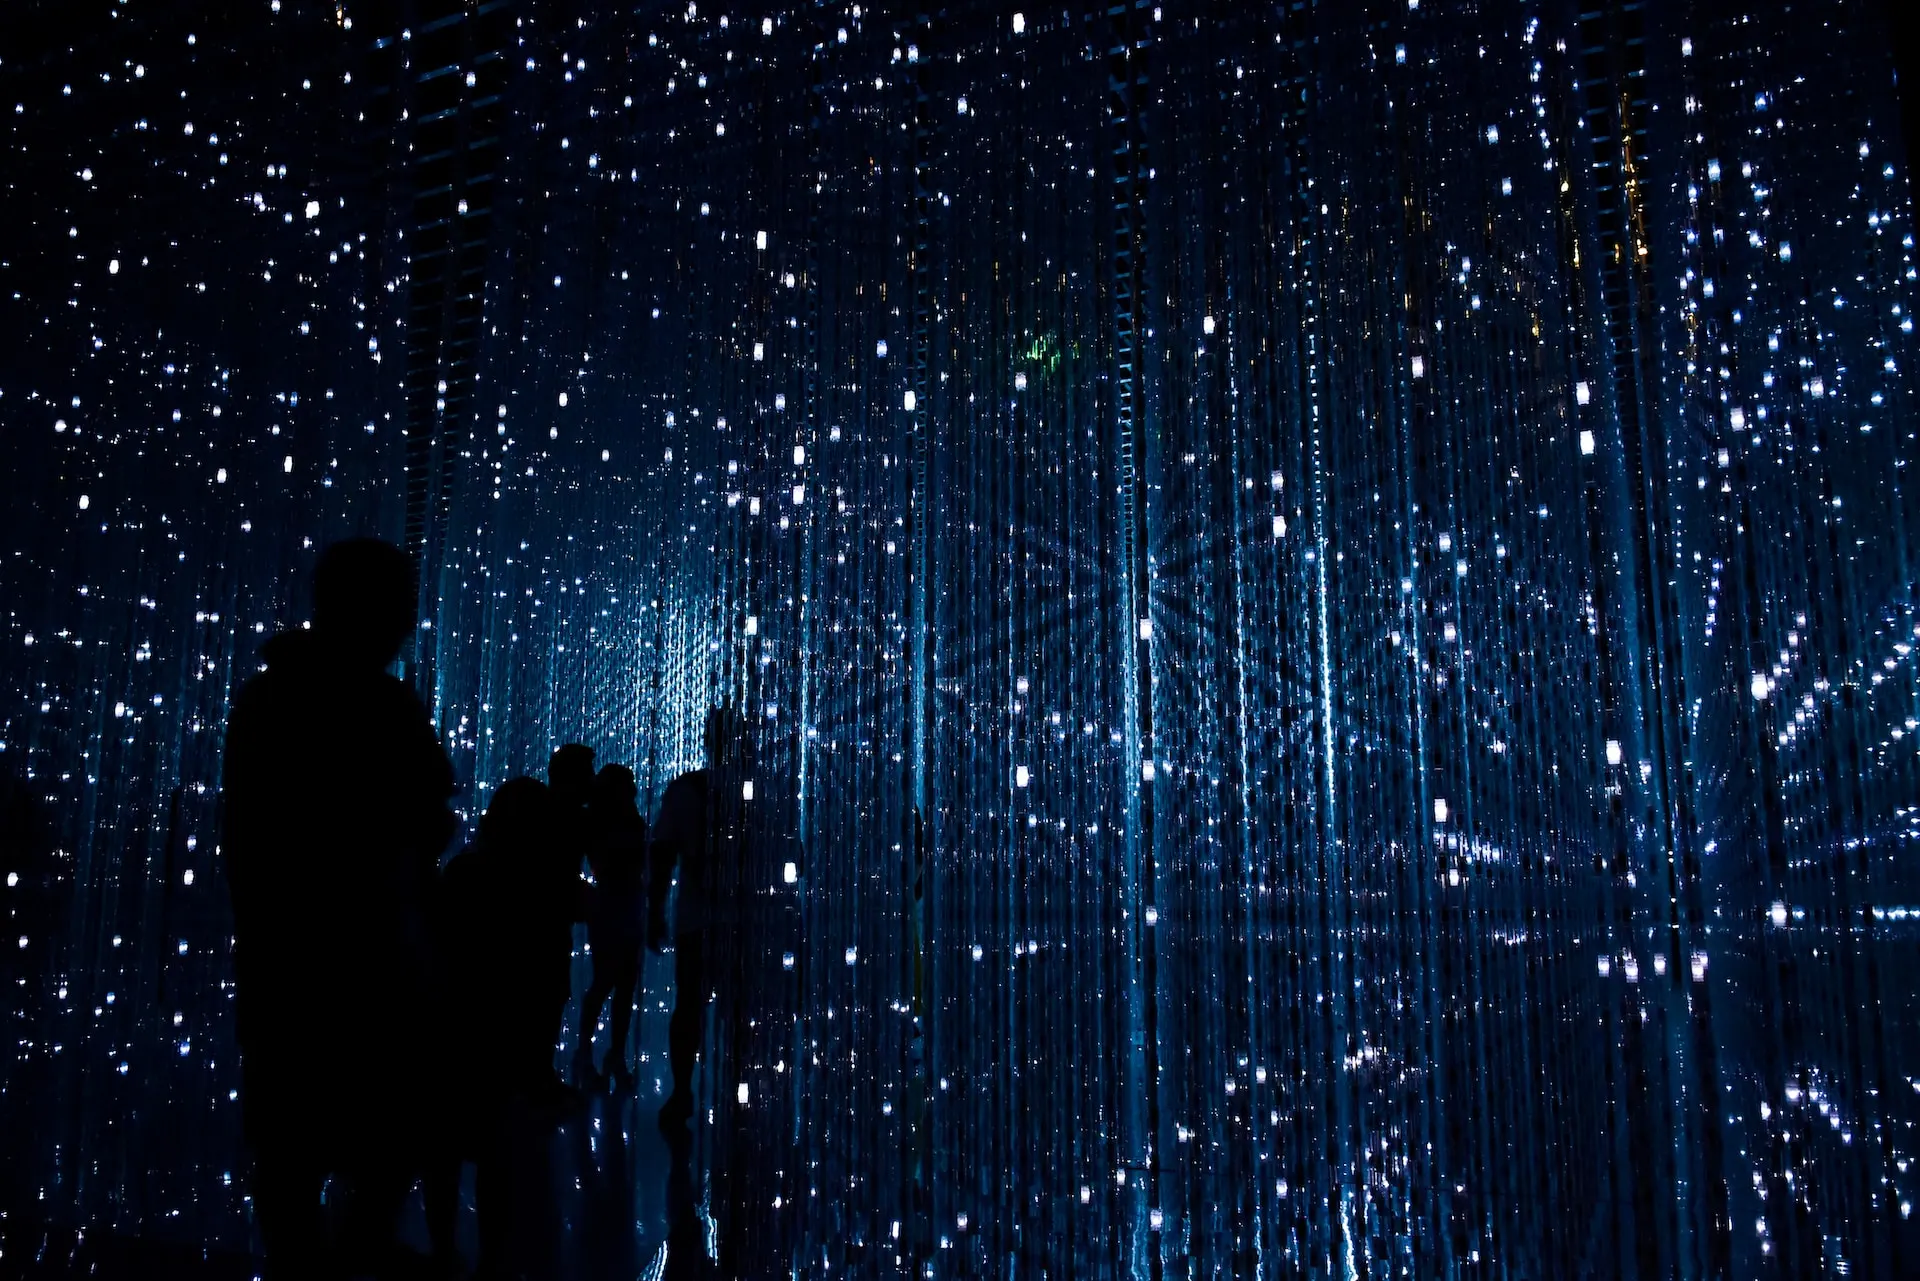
(517, 822)
(336, 792)
(683, 809)
(485, 905)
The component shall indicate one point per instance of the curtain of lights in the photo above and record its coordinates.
(1323, 591)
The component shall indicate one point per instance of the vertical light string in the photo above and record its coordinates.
(1322, 599)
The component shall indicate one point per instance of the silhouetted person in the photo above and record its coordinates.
(336, 813)
(616, 917)
(735, 930)
(700, 818)
(503, 940)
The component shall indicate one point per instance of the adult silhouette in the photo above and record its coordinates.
(700, 824)
(501, 940)
(616, 917)
(335, 814)
(736, 943)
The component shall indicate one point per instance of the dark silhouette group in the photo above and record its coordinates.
(399, 1018)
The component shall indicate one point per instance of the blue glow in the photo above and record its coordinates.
(1331, 646)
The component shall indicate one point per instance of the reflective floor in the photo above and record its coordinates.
(590, 1191)
(591, 1194)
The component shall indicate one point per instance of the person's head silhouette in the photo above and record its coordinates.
(570, 773)
(614, 786)
(365, 602)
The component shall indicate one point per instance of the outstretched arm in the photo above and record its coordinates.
(662, 855)
(668, 835)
